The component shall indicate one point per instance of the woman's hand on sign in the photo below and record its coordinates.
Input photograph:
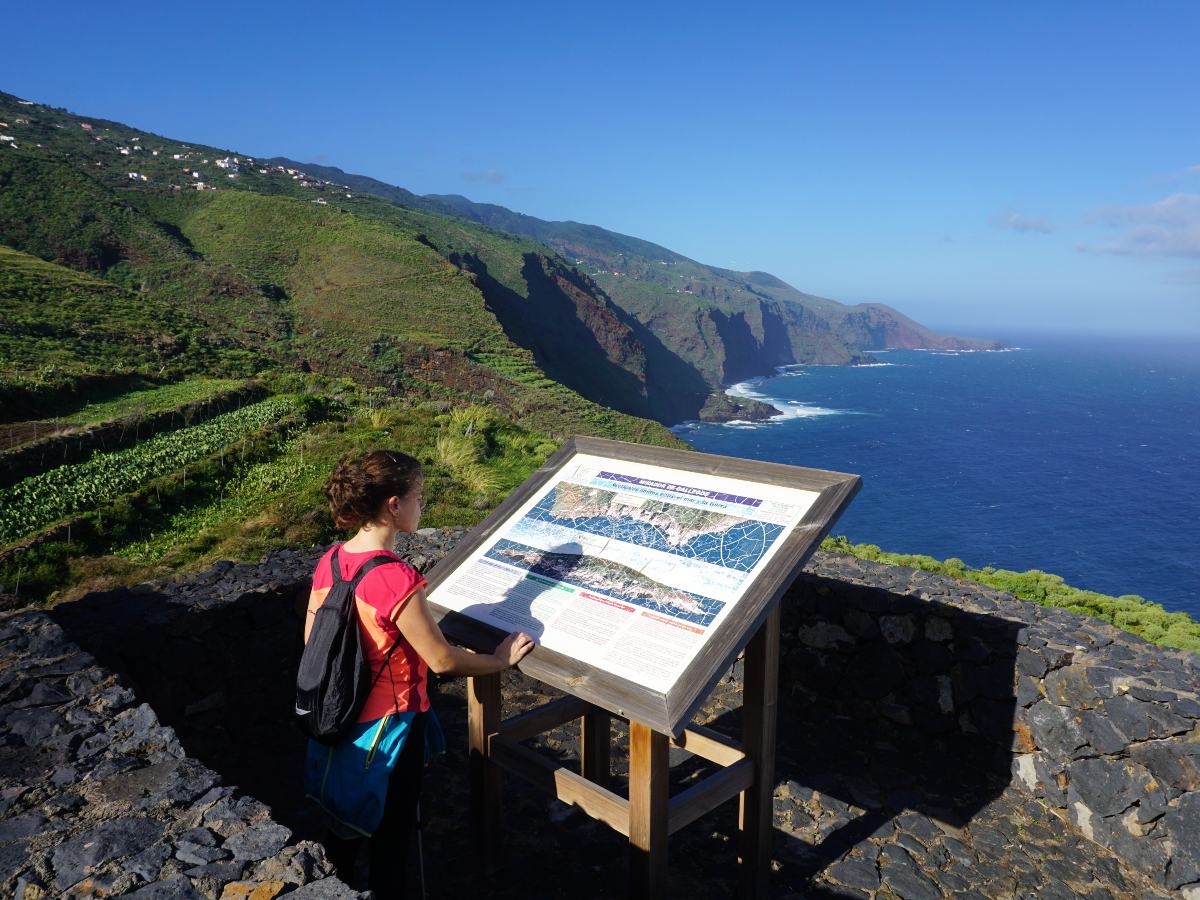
(514, 648)
(415, 621)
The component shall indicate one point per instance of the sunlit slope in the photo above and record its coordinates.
(128, 206)
(54, 211)
(372, 299)
(345, 277)
(724, 324)
(56, 318)
(576, 334)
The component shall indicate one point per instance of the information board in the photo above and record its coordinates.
(630, 561)
(625, 566)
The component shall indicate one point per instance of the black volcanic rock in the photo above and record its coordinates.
(935, 780)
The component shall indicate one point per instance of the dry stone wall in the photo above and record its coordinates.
(100, 798)
(1099, 727)
(77, 444)
(936, 739)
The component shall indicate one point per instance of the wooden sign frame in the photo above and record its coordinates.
(669, 712)
(647, 815)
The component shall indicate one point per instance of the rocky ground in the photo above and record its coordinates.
(104, 794)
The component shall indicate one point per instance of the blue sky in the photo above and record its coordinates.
(984, 167)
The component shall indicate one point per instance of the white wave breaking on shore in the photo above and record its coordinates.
(788, 409)
(799, 368)
(798, 409)
(950, 352)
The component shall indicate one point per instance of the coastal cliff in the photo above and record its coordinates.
(186, 259)
(722, 325)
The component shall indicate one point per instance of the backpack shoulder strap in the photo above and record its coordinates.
(373, 563)
(335, 568)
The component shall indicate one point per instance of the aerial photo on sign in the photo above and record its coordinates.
(628, 567)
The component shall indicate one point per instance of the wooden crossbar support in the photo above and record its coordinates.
(710, 745)
(559, 781)
(686, 807)
(545, 718)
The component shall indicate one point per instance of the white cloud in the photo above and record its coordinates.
(1167, 227)
(485, 176)
(1020, 222)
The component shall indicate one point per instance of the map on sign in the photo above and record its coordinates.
(626, 566)
(611, 578)
(733, 542)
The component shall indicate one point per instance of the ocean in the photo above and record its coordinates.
(1074, 455)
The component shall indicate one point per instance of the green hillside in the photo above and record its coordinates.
(725, 325)
(143, 280)
(55, 319)
(342, 275)
(128, 293)
(284, 270)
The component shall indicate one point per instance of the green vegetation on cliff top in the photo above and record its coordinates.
(1128, 612)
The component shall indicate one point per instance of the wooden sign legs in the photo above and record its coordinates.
(649, 814)
(648, 810)
(483, 719)
(760, 701)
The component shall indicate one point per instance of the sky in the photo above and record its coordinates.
(983, 167)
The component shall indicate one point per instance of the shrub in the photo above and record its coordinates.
(479, 479)
(1128, 612)
(457, 452)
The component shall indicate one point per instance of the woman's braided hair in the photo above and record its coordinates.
(360, 484)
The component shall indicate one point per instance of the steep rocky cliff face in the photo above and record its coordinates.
(701, 322)
(580, 338)
(872, 326)
(764, 335)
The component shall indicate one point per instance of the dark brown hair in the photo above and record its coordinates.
(360, 484)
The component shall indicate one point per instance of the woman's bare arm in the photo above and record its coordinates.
(416, 623)
(314, 603)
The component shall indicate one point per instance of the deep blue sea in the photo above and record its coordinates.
(1075, 455)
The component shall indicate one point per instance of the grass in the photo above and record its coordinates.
(149, 400)
(240, 510)
(515, 368)
(1128, 612)
(54, 319)
(346, 276)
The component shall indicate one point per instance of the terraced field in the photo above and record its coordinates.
(240, 483)
(153, 399)
(55, 494)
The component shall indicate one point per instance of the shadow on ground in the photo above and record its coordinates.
(871, 730)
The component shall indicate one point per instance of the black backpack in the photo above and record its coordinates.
(333, 681)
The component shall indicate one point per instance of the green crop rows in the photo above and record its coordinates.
(49, 496)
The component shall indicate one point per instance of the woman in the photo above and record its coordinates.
(370, 782)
